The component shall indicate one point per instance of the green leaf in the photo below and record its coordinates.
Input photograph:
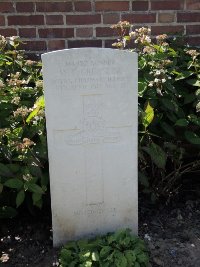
(148, 115)
(40, 103)
(130, 256)
(84, 255)
(171, 116)
(127, 38)
(82, 244)
(194, 119)
(189, 98)
(122, 261)
(20, 198)
(33, 114)
(44, 180)
(71, 245)
(7, 212)
(183, 75)
(14, 183)
(66, 256)
(143, 258)
(168, 104)
(142, 87)
(36, 197)
(142, 63)
(35, 171)
(192, 137)
(157, 154)
(87, 264)
(5, 171)
(180, 113)
(105, 251)
(181, 122)
(194, 82)
(18, 132)
(14, 168)
(95, 256)
(197, 93)
(198, 107)
(168, 129)
(34, 188)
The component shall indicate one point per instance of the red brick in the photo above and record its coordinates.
(112, 6)
(56, 33)
(139, 18)
(6, 8)
(140, 5)
(194, 41)
(83, 19)
(84, 43)
(25, 7)
(108, 43)
(167, 5)
(188, 17)
(111, 18)
(193, 29)
(192, 4)
(166, 17)
(155, 30)
(84, 32)
(27, 32)
(8, 32)
(26, 20)
(54, 7)
(105, 32)
(56, 44)
(34, 45)
(2, 21)
(134, 27)
(83, 6)
(54, 19)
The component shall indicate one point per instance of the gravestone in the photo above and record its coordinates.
(91, 115)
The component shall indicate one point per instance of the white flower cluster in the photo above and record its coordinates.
(160, 77)
(141, 35)
(15, 100)
(39, 117)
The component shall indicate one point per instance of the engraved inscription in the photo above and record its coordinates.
(89, 82)
(93, 125)
(95, 211)
(84, 62)
(93, 131)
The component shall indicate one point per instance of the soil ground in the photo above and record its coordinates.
(172, 234)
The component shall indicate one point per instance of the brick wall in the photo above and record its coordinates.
(50, 25)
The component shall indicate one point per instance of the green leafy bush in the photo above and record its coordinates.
(169, 108)
(120, 249)
(169, 121)
(23, 151)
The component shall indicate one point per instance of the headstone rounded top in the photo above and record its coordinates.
(87, 50)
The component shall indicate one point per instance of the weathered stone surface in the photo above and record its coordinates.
(91, 112)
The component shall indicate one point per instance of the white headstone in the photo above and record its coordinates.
(91, 114)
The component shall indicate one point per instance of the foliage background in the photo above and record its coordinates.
(23, 150)
(169, 109)
(169, 121)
